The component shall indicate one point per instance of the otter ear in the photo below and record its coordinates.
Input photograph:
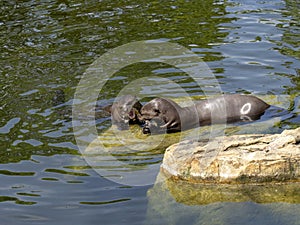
(108, 108)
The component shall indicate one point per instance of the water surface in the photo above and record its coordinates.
(252, 47)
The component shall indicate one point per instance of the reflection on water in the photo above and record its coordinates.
(252, 47)
(169, 202)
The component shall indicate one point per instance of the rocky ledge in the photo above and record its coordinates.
(236, 159)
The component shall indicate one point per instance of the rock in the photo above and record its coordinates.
(236, 159)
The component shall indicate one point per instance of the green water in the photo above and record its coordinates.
(251, 47)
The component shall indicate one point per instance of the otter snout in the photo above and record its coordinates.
(154, 126)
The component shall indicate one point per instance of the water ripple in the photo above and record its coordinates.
(9, 125)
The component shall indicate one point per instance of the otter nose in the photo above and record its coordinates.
(146, 127)
(154, 126)
(146, 130)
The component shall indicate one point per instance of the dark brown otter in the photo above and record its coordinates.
(164, 115)
(124, 111)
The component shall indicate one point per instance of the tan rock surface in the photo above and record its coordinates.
(238, 158)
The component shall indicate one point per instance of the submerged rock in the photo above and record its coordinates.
(181, 202)
(236, 159)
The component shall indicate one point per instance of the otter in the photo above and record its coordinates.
(124, 111)
(164, 115)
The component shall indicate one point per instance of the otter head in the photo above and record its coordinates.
(124, 111)
(160, 115)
